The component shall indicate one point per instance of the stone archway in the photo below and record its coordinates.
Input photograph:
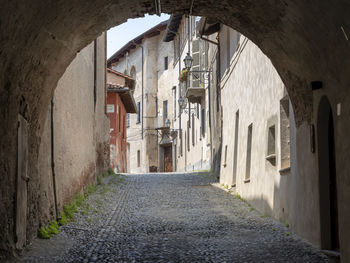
(305, 40)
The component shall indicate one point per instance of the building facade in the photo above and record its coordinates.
(120, 103)
(283, 170)
(147, 59)
(191, 147)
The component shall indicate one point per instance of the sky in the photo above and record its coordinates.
(120, 35)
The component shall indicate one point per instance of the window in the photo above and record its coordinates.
(249, 153)
(165, 63)
(181, 146)
(138, 158)
(285, 133)
(235, 149)
(197, 108)
(271, 145)
(127, 120)
(203, 122)
(165, 111)
(138, 112)
(174, 89)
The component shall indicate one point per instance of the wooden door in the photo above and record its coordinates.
(22, 178)
(168, 160)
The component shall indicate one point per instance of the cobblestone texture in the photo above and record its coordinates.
(171, 218)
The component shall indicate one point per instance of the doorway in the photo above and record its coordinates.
(327, 177)
(168, 160)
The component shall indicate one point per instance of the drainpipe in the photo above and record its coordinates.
(142, 88)
(53, 157)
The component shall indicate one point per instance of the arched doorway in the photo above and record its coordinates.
(327, 177)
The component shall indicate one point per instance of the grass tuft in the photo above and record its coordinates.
(46, 232)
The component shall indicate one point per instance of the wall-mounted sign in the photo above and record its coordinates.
(110, 108)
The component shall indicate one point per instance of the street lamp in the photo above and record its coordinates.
(188, 61)
(167, 123)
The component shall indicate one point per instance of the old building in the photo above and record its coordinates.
(148, 60)
(120, 103)
(189, 128)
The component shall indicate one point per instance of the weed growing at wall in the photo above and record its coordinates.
(69, 210)
(99, 180)
(46, 232)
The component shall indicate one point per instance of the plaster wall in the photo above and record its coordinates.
(251, 85)
(81, 126)
(81, 137)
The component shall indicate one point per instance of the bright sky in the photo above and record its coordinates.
(120, 35)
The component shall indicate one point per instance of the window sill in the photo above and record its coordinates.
(247, 181)
(285, 171)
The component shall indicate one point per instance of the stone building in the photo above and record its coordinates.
(74, 145)
(147, 59)
(120, 102)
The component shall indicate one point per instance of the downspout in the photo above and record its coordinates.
(53, 157)
(142, 95)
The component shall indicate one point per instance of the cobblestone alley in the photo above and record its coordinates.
(170, 218)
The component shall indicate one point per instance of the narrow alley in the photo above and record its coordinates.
(171, 217)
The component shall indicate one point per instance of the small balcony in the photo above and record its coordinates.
(195, 94)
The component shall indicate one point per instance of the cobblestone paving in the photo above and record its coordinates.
(173, 218)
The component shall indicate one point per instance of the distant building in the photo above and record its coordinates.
(120, 103)
(148, 60)
(190, 129)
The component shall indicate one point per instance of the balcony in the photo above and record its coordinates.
(195, 94)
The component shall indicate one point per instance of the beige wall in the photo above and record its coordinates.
(81, 130)
(251, 85)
